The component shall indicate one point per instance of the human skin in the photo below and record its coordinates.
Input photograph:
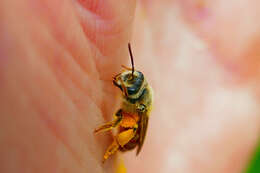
(58, 59)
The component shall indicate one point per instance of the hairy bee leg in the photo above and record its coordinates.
(126, 68)
(106, 127)
(111, 150)
(120, 140)
(125, 136)
(110, 125)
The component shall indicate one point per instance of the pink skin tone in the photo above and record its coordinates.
(58, 59)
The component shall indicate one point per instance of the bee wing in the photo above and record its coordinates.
(143, 128)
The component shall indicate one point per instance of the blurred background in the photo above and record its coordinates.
(201, 57)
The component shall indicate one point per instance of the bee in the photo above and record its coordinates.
(132, 118)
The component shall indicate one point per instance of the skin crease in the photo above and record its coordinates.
(58, 59)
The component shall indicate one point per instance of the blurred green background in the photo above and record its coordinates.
(254, 166)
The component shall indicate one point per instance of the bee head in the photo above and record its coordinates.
(130, 81)
(131, 84)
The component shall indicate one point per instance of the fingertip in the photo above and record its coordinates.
(106, 21)
(107, 25)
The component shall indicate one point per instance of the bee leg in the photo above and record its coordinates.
(120, 140)
(126, 68)
(111, 150)
(110, 125)
(125, 136)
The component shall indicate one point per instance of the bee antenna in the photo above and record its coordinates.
(132, 59)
